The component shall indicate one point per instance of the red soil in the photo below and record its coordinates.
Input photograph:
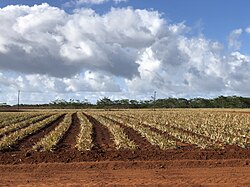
(151, 173)
(135, 136)
(27, 143)
(69, 139)
(104, 165)
(101, 136)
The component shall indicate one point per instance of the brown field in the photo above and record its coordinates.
(130, 147)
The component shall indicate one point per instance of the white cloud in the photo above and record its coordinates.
(46, 51)
(40, 39)
(233, 39)
(247, 30)
(190, 67)
(92, 2)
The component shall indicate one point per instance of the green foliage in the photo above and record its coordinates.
(61, 103)
(219, 102)
(106, 103)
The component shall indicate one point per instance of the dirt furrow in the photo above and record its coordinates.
(179, 143)
(190, 132)
(69, 139)
(26, 125)
(135, 136)
(18, 120)
(179, 129)
(101, 135)
(27, 143)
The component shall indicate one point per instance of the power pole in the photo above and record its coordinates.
(18, 98)
(154, 99)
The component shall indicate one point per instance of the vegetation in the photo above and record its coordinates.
(49, 142)
(106, 103)
(219, 102)
(6, 142)
(121, 139)
(16, 126)
(152, 137)
(9, 119)
(84, 138)
(164, 129)
(206, 129)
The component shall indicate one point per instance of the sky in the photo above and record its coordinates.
(123, 49)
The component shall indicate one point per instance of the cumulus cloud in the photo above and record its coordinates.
(233, 39)
(41, 88)
(248, 30)
(97, 1)
(190, 66)
(89, 81)
(40, 39)
(79, 3)
(185, 65)
(45, 50)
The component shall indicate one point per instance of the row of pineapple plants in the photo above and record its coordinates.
(12, 119)
(11, 115)
(5, 116)
(23, 124)
(184, 136)
(178, 132)
(121, 139)
(7, 142)
(153, 137)
(226, 128)
(49, 142)
(219, 127)
(84, 138)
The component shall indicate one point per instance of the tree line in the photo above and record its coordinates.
(106, 103)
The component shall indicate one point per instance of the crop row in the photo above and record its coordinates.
(49, 142)
(183, 136)
(12, 139)
(153, 137)
(7, 116)
(206, 129)
(202, 128)
(16, 126)
(232, 129)
(84, 138)
(121, 139)
(13, 118)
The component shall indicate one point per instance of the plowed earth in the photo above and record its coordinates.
(186, 165)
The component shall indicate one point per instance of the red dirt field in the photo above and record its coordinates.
(138, 173)
(183, 167)
(104, 165)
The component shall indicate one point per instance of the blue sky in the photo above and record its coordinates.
(180, 48)
(217, 18)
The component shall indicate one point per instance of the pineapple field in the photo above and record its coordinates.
(123, 135)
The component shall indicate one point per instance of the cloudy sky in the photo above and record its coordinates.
(88, 49)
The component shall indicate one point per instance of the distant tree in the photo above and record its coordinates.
(105, 102)
(134, 104)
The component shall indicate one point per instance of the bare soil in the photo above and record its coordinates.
(69, 139)
(185, 165)
(135, 136)
(101, 136)
(27, 143)
(139, 173)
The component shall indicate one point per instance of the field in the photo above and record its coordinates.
(129, 140)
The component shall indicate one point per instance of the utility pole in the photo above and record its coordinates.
(18, 98)
(154, 99)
